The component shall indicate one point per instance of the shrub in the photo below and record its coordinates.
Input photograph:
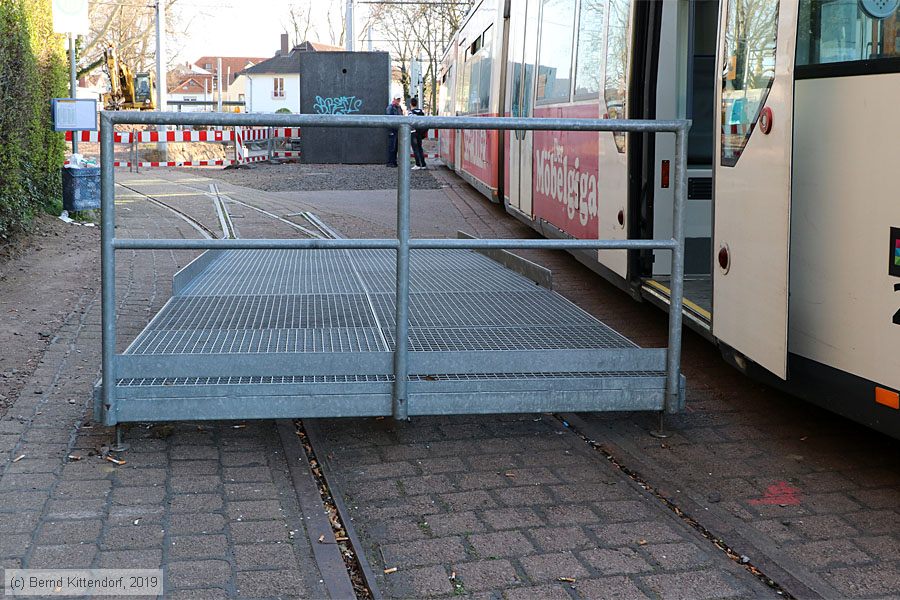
(32, 70)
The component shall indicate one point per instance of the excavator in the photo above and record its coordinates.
(127, 90)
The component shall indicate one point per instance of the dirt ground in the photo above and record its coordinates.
(64, 259)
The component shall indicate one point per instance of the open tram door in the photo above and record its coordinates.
(752, 178)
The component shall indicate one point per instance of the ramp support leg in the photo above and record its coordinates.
(400, 407)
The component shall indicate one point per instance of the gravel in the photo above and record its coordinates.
(288, 177)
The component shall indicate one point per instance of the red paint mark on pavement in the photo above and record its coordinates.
(779, 493)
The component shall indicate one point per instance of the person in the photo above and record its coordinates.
(417, 136)
(394, 109)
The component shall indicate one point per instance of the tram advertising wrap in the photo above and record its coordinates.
(565, 173)
(479, 154)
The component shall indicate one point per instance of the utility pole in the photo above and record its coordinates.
(219, 81)
(348, 26)
(73, 86)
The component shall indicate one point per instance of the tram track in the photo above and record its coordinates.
(340, 556)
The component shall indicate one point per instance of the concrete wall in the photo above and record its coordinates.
(344, 83)
(259, 93)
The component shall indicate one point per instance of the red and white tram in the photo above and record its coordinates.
(793, 216)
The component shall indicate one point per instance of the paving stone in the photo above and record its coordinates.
(865, 581)
(254, 510)
(424, 552)
(194, 484)
(254, 532)
(633, 533)
(818, 527)
(550, 567)
(82, 489)
(435, 466)
(14, 545)
(425, 582)
(27, 481)
(134, 537)
(695, 585)
(18, 522)
(246, 474)
(525, 496)
(456, 523)
(131, 559)
(264, 556)
(502, 544)
(185, 524)
(615, 561)
(624, 510)
(65, 556)
(609, 588)
(261, 584)
(555, 539)
(486, 575)
(512, 518)
(682, 555)
(75, 509)
(428, 484)
(570, 514)
(198, 573)
(196, 503)
(259, 490)
(130, 496)
(69, 532)
(828, 553)
(544, 592)
(189, 547)
(461, 501)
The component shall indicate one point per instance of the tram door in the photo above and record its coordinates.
(752, 166)
(523, 25)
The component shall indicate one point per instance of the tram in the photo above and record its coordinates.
(793, 210)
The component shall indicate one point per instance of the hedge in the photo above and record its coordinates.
(33, 69)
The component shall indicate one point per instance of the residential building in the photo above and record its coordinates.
(274, 84)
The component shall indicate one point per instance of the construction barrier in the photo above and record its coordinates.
(244, 154)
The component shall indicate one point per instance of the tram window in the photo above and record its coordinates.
(555, 58)
(839, 31)
(587, 59)
(617, 63)
(750, 41)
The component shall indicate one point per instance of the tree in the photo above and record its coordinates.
(131, 29)
(324, 24)
(412, 29)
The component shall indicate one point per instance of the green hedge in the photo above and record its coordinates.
(32, 70)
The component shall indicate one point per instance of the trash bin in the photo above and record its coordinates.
(81, 188)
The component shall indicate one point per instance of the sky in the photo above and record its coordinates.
(239, 27)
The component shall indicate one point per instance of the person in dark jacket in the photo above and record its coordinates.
(417, 136)
(395, 109)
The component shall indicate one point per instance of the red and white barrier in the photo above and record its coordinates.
(239, 135)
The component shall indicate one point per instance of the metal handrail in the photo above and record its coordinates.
(403, 243)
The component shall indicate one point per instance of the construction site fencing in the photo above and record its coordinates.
(402, 244)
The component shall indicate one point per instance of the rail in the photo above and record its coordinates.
(402, 243)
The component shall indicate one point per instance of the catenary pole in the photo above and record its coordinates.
(161, 84)
(73, 86)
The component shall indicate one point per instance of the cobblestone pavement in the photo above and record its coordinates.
(212, 504)
(484, 506)
(810, 498)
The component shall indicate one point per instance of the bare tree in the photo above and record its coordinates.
(315, 20)
(131, 29)
(418, 29)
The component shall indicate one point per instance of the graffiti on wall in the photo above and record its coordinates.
(339, 105)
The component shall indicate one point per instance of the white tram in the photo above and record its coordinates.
(793, 218)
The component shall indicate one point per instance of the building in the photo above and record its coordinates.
(274, 84)
(199, 81)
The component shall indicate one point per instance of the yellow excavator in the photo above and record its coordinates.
(127, 90)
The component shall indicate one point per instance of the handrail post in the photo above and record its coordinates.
(400, 405)
(674, 401)
(107, 270)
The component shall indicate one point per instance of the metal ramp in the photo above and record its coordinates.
(482, 339)
(297, 328)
